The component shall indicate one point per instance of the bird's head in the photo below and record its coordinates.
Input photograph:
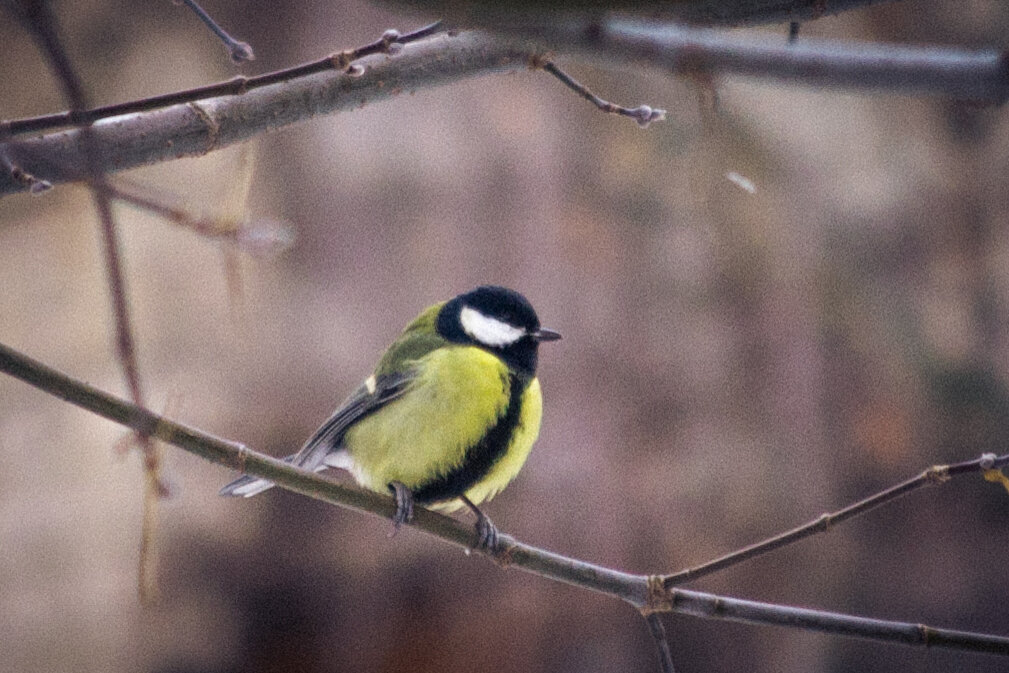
(499, 320)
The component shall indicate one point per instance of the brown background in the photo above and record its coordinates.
(733, 363)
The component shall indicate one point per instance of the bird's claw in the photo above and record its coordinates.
(404, 506)
(486, 534)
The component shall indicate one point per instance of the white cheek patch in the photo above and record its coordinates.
(489, 331)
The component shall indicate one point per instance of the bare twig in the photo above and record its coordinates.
(260, 237)
(937, 474)
(238, 51)
(37, 15)
(643, 114)
(658, 631)
(646, 593)
(339, 61)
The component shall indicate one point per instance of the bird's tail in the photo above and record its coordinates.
(248, 485)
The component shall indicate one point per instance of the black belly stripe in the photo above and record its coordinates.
(481, 457)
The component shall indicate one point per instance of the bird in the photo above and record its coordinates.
(449, 414)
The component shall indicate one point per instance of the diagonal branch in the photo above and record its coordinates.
(340, 61)
(646, 593)
(937, 474)
(197, 128)
(38, 16)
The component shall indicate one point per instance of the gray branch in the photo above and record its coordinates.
(519, 15)
(977, 76)
(194, 129)
(647, 593)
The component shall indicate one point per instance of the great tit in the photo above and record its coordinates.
(449, 415)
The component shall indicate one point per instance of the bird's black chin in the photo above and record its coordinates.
(520, 356)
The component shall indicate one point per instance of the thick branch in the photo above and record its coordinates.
(196, 128)
(646, 593)
(977, 76)
(521, 14)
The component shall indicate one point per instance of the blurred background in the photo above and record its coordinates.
(734, 363)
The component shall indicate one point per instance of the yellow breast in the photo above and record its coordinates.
(460, 393)
(509, 465)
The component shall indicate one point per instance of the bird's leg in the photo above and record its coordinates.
(486, 531)
(404, 505)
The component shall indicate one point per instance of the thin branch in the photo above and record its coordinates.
(658, 631)
(339, 61)
(238, 51)
(643, 114)
(937, 474)
(260, 237)
(647, 593)
(37, 15)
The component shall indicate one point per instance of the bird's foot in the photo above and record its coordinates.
(404, 506)
(486, 531)
(486, 534)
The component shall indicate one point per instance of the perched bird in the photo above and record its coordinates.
(449, 415)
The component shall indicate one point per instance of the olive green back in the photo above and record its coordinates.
(418, 339)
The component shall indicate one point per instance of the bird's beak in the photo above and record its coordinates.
(544, 334)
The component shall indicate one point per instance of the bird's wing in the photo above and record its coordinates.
(374, 394)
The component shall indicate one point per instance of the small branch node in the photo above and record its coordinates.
(937, 474)
(987, 461)
(264, 237)
(391, 42)
(241, 457)
(239, 84)
(539, 61)
(502, 553)
(34, 184)
(240, 52)
(657, 597)
(213, 128)
(341, 60)
(645, 115)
